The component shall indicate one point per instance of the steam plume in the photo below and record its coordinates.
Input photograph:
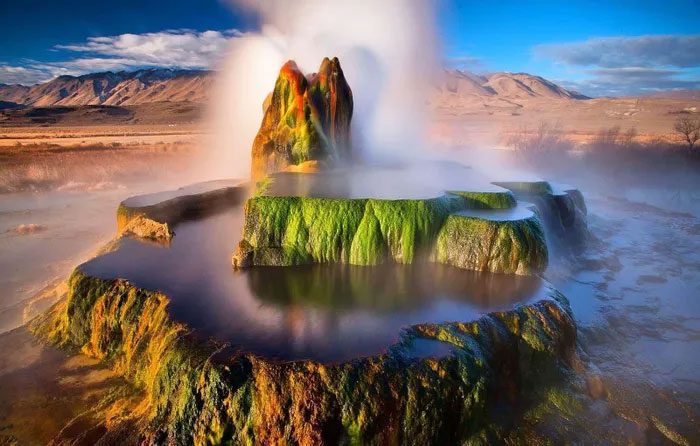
(388, 50)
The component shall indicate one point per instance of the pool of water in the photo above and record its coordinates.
(521, 211)
(326, 313)
(400, 182)
(633, 292)
(193, 189)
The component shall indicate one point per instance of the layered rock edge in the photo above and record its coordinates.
(152, 216)
(293, 230)
(200, 391)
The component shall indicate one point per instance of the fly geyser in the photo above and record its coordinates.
(306, 120)
(404, 307)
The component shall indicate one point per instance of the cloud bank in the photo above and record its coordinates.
(629, 65)
(186, 49)
(10, 74)
(618, 52)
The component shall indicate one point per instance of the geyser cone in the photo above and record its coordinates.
(307, 120)
(330, 98)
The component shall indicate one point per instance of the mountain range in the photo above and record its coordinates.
(503, 85)
(167, 85)
(461, 90)
(112, 88)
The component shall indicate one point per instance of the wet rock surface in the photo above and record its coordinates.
(172, 207)
(437, 381)
(197, 390)
(52, 396)
(478, 230)
(514, 246)
(148, 229)
(633, 291)
(561, 208)
(307, 119)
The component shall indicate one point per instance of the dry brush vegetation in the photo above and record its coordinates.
(45, 166)
(619, 155)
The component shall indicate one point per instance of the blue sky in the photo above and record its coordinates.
(524, 36)
(597, 47)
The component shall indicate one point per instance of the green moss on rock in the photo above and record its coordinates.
(511, 246)
(297, 230)
(487, 200)
(526, 187)
(281, 231)
(563, 212)
(307, 119)
(199, 392)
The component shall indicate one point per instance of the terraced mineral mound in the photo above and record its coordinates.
(562, 208)
(315, 354)
(307, 119)
(411, 350)
(438, 384)
(342, 217)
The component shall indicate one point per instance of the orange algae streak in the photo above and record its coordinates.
(290, 71)
(308, 120)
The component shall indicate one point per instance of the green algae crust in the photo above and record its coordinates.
(511, 246)
(293, 230)
(307, 119)
(199, 392)
(562, 210)
(296, 230)
(487, 200)
(529, 187)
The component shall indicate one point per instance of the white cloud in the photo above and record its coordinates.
(187, 49)
(616, 52)
(629, 65)
(22, 75)
(76, 67)
(465, 62)
(631, 81)
(178, 48)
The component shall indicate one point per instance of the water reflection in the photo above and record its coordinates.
(321, 312)
(385, 288)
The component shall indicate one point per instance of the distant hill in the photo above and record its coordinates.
(499, 90)
(6, 105)
(110, 88)
(171, 113)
